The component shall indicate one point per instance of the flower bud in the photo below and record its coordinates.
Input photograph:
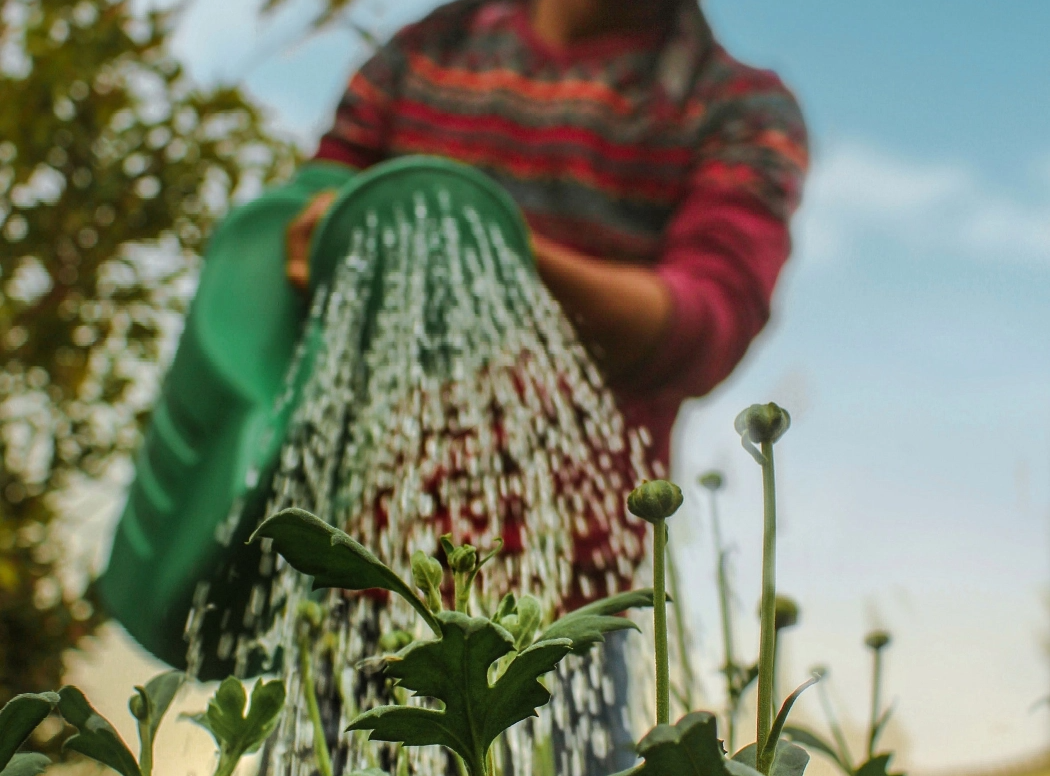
(877, 640)
(140, 706)
(786, 614)
(761, 423)
(463, 560)
(395, 640)
(311, 613)
(427, 575)
(711, 480)
(655, 501)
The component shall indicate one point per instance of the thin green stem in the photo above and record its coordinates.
(689, 676)
(663, 679)
(306, 668)
(876, 688)
(146, 749)
(724, 595)
(767, 643)
(227, 764)
(833, 723)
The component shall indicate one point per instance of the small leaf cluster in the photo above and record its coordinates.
(235, 733)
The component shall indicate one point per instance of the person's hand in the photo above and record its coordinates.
(297, 239)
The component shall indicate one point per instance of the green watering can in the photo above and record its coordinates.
(203, 472)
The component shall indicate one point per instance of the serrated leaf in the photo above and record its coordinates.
(95, 738)
(333, 558)
(235, 732)
(688, 748)
(877, 766)
(588, 625)
(26, 764)
(19, 718)
(454, 669)
(812, 741)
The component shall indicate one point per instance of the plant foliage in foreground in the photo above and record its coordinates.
(455, 666)
(235, 733)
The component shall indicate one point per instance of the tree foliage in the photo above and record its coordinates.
(113, 166)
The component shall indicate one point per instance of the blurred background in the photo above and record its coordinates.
(908, 340)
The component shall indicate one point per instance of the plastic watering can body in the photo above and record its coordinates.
(216, 431)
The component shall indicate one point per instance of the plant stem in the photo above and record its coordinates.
(729, 669)
(689, 675)
(833, 723)
(663, 680)
(306, 668)
(767, 644)
(146, 750)
(876, 687)
(227, 764)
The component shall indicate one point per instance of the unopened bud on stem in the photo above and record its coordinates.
(655, 501)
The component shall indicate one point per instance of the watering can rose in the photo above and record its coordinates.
(763, 423)
(655, 501)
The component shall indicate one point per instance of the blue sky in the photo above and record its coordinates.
(909, 340)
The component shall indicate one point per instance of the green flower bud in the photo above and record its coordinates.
(139, 705)
(655, 501)
(428, 575)
(761, 423)
(463, 560)
(786, 614)
(311, 613)
(395, 641)
(711, 480)
(877, 640)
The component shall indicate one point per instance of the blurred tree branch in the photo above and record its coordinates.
(113, 167)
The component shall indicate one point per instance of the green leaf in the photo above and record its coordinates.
(19, 718)
(151, 703)
(454, 669)
(689, 748)
(588, 625)
(880, 726)
(877, 766)
(238, 734)
(789, 760)
(95, 738)
(332, 558)
(812, 741)
(26, 764)
(782, 715)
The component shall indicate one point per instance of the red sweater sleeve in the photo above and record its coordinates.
(728, 240)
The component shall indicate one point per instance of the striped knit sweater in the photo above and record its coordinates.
(655, 148)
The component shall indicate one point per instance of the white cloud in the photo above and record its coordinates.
(857, 192)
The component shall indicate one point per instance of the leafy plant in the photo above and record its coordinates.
(454, 669)
(18, 719)
(738, 678)
(838, 752)
(235, 732)
(97, 739)
(485, 671)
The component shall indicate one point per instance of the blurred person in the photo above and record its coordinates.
(657, 174)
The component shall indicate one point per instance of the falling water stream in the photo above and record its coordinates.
(449, 394)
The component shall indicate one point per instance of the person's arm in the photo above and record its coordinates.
(682, 325)
(620, 311)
